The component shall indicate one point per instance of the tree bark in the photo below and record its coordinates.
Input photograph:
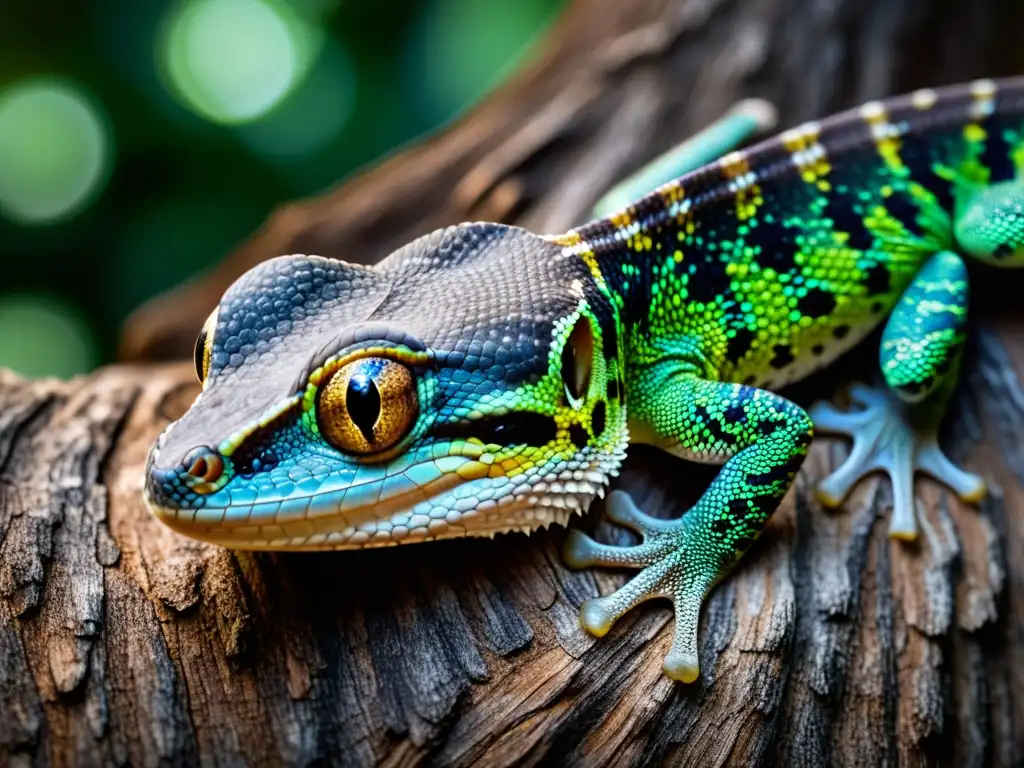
(122, 642)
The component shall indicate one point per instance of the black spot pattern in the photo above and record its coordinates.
(783, 356)
(738, 508)
(710, 282)
(905, 212)
(778, 249)
(736, 414)
(918, 155)
(996, 154)
(739, 344)
(598, 419)
(780, 472)
(606, 321)
(846, 219)
(816, 303)
(638, 286)
(578, 435)
(714, 426)
(877, 279)
(755, 524)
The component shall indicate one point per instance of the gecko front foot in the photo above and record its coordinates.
(886, 438)
(671, 569)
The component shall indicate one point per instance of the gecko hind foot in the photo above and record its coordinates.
(669, 570)
(885, 441)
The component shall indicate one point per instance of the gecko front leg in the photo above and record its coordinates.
(762, 439)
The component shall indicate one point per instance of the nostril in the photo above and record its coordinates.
(204, 464)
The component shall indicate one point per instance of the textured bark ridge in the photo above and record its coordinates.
(123, 643)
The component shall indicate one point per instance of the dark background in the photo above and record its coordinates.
(140, 141)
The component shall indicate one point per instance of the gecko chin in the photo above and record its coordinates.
(418, 499)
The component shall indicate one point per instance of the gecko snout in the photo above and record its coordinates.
(202, 471)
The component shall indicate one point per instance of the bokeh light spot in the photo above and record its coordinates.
(463, 48)
(313, 114)
(43, 336)
(54, 150)
(232, 61)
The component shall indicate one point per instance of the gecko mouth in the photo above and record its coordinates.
(454, 496)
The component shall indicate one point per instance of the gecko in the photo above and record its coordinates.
(484, 379)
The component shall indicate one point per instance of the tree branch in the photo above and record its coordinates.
(123, 642)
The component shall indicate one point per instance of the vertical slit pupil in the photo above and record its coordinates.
(363, 403)
(199, 353)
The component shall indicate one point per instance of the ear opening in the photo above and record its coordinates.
(578, 359)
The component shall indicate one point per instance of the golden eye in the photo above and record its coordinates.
(367, 406)
(204, 346)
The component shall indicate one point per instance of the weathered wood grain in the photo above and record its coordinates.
(123, 643)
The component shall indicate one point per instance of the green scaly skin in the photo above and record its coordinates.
(484, 379)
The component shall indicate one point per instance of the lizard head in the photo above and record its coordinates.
(467, 385)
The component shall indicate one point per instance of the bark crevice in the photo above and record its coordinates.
(121, 642)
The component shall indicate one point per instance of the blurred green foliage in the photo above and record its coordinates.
(140, 141)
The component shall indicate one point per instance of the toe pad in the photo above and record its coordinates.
(681, 667)
(578, 549)
(595, 617)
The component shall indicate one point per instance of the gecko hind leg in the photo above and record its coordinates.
(885, 439)
(896, 431)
